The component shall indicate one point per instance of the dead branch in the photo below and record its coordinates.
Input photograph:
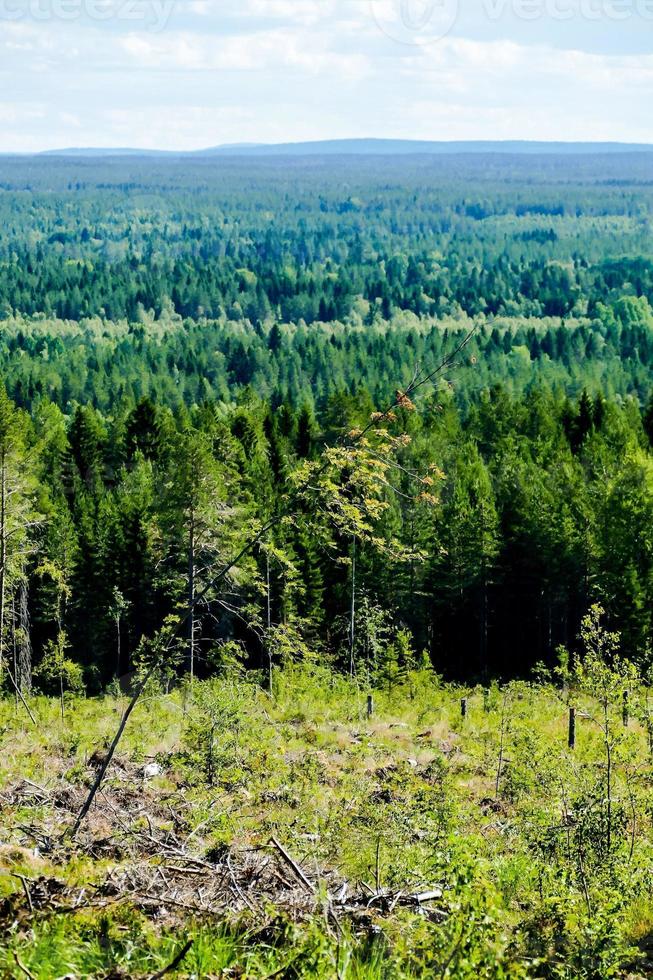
(20, 695)
(23, 968)
(175, 963)
(293, 865)
(23, 881)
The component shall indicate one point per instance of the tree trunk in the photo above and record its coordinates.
(483, 625)
(3, 556)
(269, 621)
(14, 643)
(24, 665)
(191, 599)
(118, 650)
(352, 625)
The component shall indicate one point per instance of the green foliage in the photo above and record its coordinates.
(199, 479)
(605, 676)
(553, 237)
(529, 888)
(210, 744)
(57, 673)
(484, 535)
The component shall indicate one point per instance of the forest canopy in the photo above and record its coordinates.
(181, 340)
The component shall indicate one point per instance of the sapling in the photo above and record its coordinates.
(57, 673)
(214, 710)
(505, 724)
(603, 677)
(54, 666)
(119, 607)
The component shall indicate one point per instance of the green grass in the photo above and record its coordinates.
(407, 801)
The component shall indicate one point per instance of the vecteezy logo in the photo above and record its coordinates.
(415, 21)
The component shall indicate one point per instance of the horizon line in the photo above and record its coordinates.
(419, 144)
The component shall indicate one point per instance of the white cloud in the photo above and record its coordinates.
(273, 50)
(304, 12)
(70, 119)
(271, 70)
(157, 124)
(10, 113)
(530, 67)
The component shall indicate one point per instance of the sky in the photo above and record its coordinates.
(188, 74)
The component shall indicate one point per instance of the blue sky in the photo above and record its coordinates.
(184, 74)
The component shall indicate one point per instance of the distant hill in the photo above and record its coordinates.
(371, 147)
(368, 147)
(91, 151)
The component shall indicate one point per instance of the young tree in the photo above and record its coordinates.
(18, 517)
(55, 670)
(603, 677)
(624, 542)
(197, 517)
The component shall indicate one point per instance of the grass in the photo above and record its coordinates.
(493, 810)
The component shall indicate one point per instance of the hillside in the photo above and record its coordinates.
(370, 147)
(326, 566)
(245, 319)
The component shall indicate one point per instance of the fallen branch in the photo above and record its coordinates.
(237, 887)
(293, 865)
(23, 882)
(181, 955)
(23, 968)
(20, 695)
(99, 779)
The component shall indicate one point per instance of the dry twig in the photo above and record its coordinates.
(21, 966)
(175, 963)
(293, 865)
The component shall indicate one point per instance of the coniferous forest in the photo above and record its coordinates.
(340, 472)
(180, 338)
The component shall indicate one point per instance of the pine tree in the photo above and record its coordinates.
(464, 553)
(198, 519)
(18, 517)
(142, 431)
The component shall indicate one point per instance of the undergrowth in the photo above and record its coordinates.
(537, 869)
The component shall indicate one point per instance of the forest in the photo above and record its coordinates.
(148, 429)
(337, 476)
(492, 533)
